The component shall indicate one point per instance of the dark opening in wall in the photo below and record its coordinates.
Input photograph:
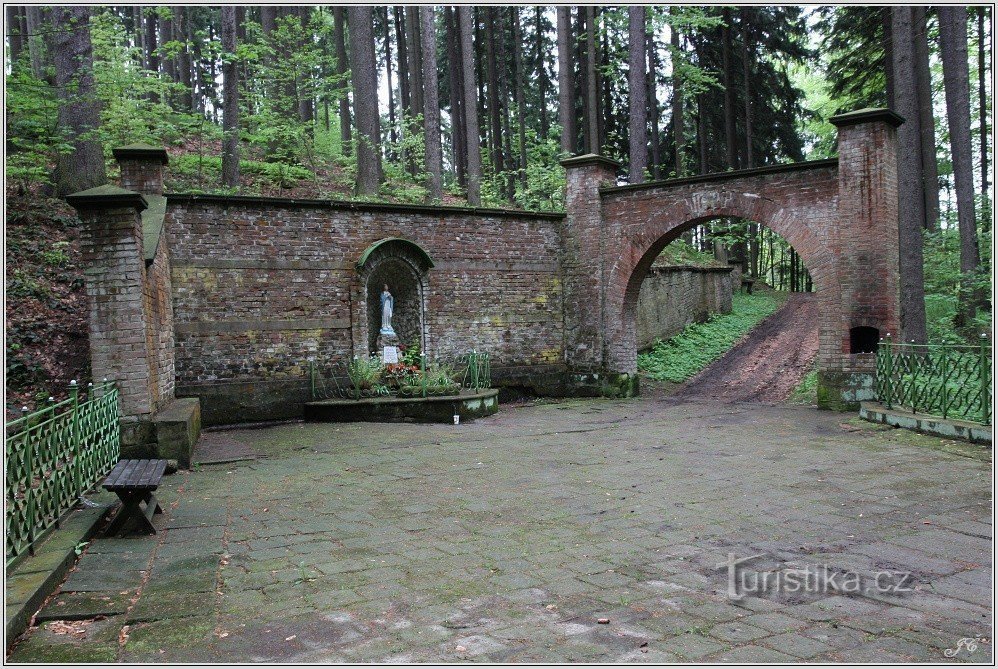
(863, 339)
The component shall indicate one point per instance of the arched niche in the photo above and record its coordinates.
(402, 265)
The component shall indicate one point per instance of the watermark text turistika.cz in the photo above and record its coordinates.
(812, 579)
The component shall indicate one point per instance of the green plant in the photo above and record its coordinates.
(807, 391)
(365, 373)
(699, 344)
(410, 353)
(56, 256)
(79, 547)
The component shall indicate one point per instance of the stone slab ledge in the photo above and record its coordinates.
(941, 427)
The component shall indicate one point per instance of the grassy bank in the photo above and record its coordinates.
(685, 354)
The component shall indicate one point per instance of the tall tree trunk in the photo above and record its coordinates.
(342, 67)
(747, 80)
(652, 93)
(504, 96)
(79, 110)
(365, 99)
(542, 75)
(303, 84)
(637, 83)
(403, 58)
(592, 84)
(431, 96)
(605, 119)
(152, 54)
(415, 67)
(139, 12)
(518, 86)
(982, 101)
(183, 30)
(702, 133)
(729, 92)
(230, 100)
(392, 130)
(911, 205)
(454, 89)
(566, 84)
(888, 27)
(495, 117)
(473, 139)
(415, 59)
(926, 122)
(678, 120)
(15, 31)
(35, 40)
(956, 76)
(166, 27)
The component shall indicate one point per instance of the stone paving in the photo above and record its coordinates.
(589, 530)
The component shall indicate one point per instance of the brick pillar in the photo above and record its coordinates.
(115, 278)
(584, 239)
(141, 167)
(865, 243)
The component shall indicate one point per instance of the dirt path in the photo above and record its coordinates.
(766, 365)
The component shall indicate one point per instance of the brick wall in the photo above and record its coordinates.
(115, 277)
(243, 291)
(261, 287)
(673, 297)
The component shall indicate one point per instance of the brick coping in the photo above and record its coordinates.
(725, 176)
(349, 205)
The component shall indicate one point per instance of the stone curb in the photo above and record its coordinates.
(934, 425)
(36, 577)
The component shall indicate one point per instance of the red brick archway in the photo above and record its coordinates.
(840, 215)
(650, 218)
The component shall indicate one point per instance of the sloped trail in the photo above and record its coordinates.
(768, 364)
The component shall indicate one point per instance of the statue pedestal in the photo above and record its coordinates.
(388, 346)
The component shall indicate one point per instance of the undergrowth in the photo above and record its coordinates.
(807, 392)
(685, 354)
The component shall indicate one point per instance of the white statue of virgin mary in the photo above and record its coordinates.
(387, 308)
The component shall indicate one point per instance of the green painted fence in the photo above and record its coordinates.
(939, 379)
(54, 456)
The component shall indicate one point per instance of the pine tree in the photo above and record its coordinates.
(953, 48)
(230, 100)
(637, 87)
(365, 99)
(431, 99)
(79, 111)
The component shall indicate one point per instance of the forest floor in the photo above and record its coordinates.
(46, 302)
(768, 364)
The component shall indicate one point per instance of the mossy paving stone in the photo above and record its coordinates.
(174, 564)
(190, 580)
(51, 642)
(168, 604)
(286, 638)
(102, 580)
(85, 605)
(181, 640)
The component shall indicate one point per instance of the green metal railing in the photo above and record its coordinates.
(348, 381)
(940, 379)
(477, 370)
(54, 455)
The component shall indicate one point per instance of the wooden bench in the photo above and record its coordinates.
(747, 284)
(134, 482)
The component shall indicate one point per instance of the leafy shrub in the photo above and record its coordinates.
(365, 373)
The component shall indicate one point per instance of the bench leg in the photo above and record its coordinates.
(131, 509)
(150, 499)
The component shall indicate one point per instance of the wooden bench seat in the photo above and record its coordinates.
(134, 482)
